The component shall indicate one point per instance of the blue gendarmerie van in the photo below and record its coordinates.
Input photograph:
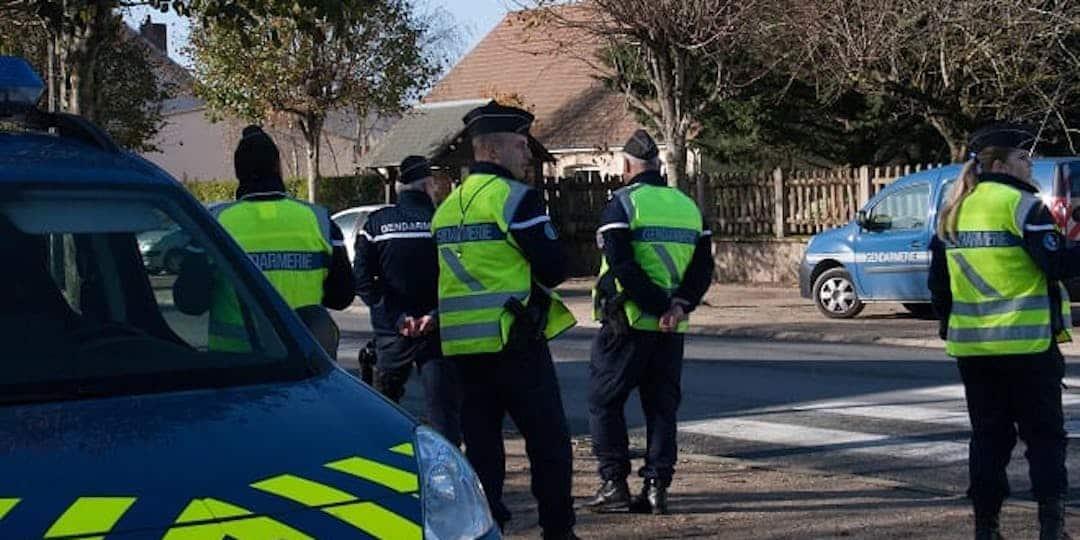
(883, 255)
(119, 419)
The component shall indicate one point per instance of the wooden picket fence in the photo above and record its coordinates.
(762, 204)
(791, 203)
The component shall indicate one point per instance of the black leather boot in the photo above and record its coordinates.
(563, 535)
(652, 500)
(987, 521)
(1052, 519)
(613, 495)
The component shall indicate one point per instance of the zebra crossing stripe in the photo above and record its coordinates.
(907, 413)
(956, 391)
(790, 435)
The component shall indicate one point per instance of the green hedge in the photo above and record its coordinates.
(336, 193)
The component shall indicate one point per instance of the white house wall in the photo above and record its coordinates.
(194, 149)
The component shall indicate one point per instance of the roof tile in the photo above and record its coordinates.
(551, 69)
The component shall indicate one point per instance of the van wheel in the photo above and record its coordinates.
(920, 310)
(835, 296)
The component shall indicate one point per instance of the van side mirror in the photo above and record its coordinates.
(860, 219)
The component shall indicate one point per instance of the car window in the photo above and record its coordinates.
(124, 291)
(902, 210)
(347, 222)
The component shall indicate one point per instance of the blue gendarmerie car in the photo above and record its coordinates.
(883, 255)
(118, 420)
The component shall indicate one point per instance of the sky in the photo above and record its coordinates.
(474, 18)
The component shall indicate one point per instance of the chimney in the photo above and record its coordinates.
(155, 34)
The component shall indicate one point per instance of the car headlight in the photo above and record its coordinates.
(455, 507)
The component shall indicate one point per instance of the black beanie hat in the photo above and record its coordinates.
(257, 162)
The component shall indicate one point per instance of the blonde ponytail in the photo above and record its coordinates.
(966, 182)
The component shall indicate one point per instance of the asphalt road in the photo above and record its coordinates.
(886, 412)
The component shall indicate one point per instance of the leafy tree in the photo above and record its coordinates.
(306, 60)
(124, 97)
(952, 64)
(75, 33)
(779, 122)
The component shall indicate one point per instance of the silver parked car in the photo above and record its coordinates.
(351, 220)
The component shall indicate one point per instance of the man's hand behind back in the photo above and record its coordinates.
(670, 320)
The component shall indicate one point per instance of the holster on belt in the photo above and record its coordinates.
(529, 321)
(613, 316)
(367, 362)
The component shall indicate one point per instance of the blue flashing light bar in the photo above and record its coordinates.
(20, 87)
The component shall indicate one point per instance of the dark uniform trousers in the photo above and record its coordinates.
(652, 363)
(520, 382)
(394, 358)
(1004, 393)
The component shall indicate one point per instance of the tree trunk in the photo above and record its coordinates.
(50, 74)
(62, 81)
(313, 140)
(676, 158)
(79, 60)
(74, 102)
(954, 136)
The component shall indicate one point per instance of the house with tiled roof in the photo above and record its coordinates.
(551, 71)
(193, 147)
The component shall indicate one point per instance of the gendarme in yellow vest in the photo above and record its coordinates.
(481, 267)
(290, 242)
(1001, 303)
(665, 226)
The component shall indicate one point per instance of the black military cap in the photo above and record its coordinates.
(414, 168)
(1002, 135)
(495, 118)
(641, 146)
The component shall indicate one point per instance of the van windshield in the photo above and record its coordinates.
(121, 293)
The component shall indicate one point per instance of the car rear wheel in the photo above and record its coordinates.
(835, 296)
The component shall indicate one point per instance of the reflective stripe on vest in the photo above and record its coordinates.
(290, 242)
(665, 226)
(481, 267)
(1001, 301)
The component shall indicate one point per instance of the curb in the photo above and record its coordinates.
(931, 342)
(812, 337)
(750, 332)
